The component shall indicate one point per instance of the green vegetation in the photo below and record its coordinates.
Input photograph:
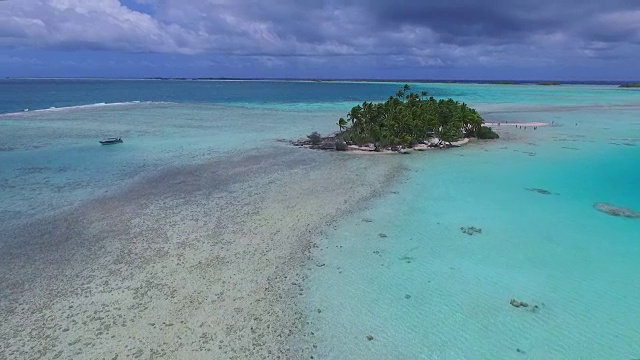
(548, 83)
(485, 132)
(630, 85)
(315, 138)
(407, 119)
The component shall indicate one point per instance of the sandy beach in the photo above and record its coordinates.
(526, 124)
(370, 150)
(193, 262)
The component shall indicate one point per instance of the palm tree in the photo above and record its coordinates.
(407, 118)
(342, 124)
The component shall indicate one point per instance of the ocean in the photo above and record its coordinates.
(205, 235)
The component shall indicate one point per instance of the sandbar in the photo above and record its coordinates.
(528, 124)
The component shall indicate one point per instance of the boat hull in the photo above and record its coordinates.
(110, 142)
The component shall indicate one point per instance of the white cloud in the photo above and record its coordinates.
(94, 24)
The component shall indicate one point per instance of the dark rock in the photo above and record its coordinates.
(540, 191)
(328, 145)
(369, 337)
(407, 296)
(382, 235)
(367, 220)
(617, 210)
(395, 148)
(520, 351)
(517, 304)
(471, 230)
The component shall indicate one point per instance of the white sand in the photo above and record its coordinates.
(364, 150)
(528, 124)
(461, 142)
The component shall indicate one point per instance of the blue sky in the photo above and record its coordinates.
(457, 39)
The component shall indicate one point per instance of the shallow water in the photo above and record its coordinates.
(423, 290)
(428, 290)
(197, 261)
(52, 159)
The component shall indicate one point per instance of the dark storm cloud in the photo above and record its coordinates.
(430, 33)
(500, 20)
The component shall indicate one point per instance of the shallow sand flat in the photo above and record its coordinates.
(536, 124)
(196, 262)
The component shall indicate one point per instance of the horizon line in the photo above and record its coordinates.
(319, 79)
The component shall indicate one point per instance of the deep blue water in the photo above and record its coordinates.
(19, 94)
(16, 95)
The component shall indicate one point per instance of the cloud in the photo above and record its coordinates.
(99, 24)
(416, 33)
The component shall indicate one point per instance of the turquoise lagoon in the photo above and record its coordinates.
(426, 290)
(429, 291)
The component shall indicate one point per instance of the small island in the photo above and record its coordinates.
(631, 85)
(548, 83)
(404, 122)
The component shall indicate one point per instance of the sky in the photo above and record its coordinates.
(373, 39)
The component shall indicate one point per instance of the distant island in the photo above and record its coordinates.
(510, 82)
(405, 121)
(339, 80)
(631, 85)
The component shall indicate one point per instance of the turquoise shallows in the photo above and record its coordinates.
(426, 290)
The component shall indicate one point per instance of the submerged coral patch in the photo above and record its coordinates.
(539, 191)
(616, 210)
(471, 230)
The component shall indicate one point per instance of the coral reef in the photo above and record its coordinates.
(617, 210)
(471, 230)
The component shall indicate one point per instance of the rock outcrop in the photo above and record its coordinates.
(471, 230)
(539, 191)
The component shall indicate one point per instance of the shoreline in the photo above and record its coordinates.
(329, 144)
(362, 150)
(525, 124)
(191, 262)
